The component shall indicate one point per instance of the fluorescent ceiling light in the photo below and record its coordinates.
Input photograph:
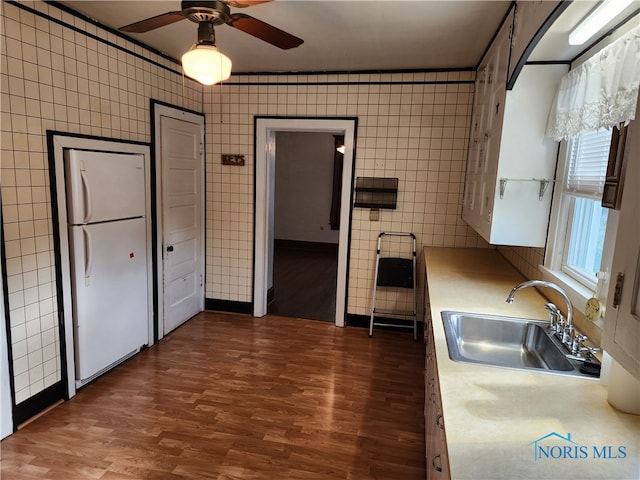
(597, 19)
(206, 64)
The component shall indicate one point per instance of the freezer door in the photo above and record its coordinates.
(104, 186)
(110, 295)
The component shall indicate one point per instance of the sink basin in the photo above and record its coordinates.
(506, 342)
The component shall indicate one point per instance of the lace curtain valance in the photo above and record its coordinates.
(602, 92)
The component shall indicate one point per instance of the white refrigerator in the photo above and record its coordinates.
(108, 243)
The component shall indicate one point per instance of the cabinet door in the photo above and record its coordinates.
(486, 127)
(426, 311)
(471, 203)
(621, 335)
(497, 91)
(435, 439)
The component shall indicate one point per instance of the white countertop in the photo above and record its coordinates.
(493, 415)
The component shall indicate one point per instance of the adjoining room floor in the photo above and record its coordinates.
(228, 396)
(305, 277)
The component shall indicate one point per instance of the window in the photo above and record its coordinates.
(584, 240)
(582, 226)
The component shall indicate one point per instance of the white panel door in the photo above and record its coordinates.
(182, 157)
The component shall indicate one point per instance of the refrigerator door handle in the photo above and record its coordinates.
(87, 257)
(87, 196)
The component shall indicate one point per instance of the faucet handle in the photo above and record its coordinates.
(559, 328)
(554, 313)
(576, 343)
(567, 334)
(590, 351)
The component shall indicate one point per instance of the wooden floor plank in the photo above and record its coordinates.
(304, 280)
(229, 396)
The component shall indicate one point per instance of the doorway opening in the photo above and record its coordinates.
(308, 173)
(266, 130)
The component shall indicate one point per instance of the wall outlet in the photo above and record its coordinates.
(374, 215)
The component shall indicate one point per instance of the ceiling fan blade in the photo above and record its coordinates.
(264, 31)
(153, 22)
(245, 3)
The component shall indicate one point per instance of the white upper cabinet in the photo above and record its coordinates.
(486, 128)
(511, 163)
(621, 334)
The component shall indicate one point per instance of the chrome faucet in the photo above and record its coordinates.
(567, 332)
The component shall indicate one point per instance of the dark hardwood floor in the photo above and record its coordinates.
(228, 396)
(304, 278)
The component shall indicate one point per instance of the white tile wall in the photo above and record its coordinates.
(525, 259)
(54, 78)
(413, 126)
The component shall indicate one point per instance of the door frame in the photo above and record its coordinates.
(158, 110)
(7, 398)
(265, 157)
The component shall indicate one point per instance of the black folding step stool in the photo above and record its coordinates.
(395, 272)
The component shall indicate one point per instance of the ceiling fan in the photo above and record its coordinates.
(210, 14)
(203, 61)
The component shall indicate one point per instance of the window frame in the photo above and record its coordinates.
(557, 240)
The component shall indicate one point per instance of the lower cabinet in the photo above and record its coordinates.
(435, 438)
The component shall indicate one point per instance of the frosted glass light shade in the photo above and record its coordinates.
(206, 64)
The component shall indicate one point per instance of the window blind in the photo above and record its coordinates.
(588, 163)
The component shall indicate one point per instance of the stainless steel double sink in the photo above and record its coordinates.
(510, 342)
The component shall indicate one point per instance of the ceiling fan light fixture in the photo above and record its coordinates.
(206, 64)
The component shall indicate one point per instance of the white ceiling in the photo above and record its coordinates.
(352, 35)
(338, 35)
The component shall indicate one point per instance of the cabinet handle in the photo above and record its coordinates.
(437, 468)
(617, 296)
(440, 421)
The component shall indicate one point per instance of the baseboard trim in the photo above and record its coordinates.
(362, 321)
(301, 245)
(230, 306)
(39, 402)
